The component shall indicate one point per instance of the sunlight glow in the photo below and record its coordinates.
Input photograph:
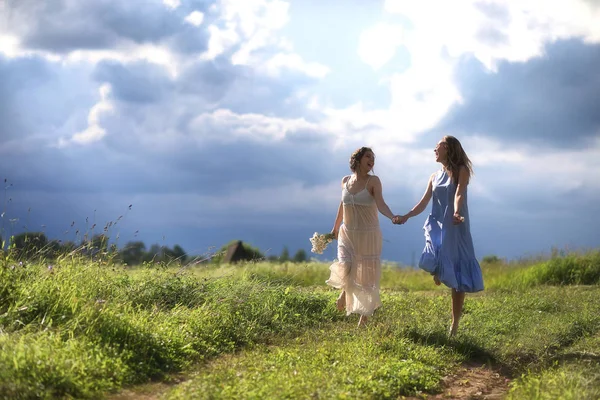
(195, 18)
(378, 44)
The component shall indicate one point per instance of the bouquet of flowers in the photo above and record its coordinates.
(320, 241)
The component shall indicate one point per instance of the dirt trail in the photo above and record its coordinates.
(149, 391)
(472, 381)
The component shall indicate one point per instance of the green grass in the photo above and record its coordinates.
(406, 350)
(569, 269)
(142, 326)
(84, 329)
(570, 381)
(338, 362)
(573, 374)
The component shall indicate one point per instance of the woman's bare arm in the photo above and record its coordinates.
(338, 220)
(340, 214)
(377, 192)
(459, 196)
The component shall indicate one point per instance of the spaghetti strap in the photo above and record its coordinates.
(367, 182)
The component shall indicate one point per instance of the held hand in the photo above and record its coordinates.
(457, 219)
(334, 232)
(399, 219)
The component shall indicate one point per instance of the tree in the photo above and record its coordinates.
(491, 259)
(133, 252)
(54, 248)
(29, 244)
(99, 242)
(179, 253)
(300, 256)
(67, 247)
(285, 255)
(154, 253)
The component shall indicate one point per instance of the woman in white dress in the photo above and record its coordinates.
(357, 270)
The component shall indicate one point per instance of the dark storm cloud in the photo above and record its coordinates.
(19, 77)
(553, 100)
(189, 39)
(29, 88)
(211, 79)
(255, 93)
(243, 89)
(136, 158)
(249, 164)
(203, 84)
(65, 25)
(140, 82)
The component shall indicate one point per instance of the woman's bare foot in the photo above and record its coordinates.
(362, 321)
(452, 330)
(436, 280)
(340, 303)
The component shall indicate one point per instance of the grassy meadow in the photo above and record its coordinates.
(90, 329)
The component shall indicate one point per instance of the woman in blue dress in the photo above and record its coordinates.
(449, 254)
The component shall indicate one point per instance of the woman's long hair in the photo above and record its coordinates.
(456, 158)
(357, 156)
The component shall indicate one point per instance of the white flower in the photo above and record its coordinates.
(320, 241)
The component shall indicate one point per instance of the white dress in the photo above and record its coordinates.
(357, 269)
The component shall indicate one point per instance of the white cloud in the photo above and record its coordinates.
(488, 152)
(173, 4)
(195, 18)
(251, 126)
(127, 52)
(221, 39)
(294, 62)
(437, 36)
(249, 29)
(503, 170)
(377, 45)
(9, 46)
(495, 30)
(94, 131)
(251, 26)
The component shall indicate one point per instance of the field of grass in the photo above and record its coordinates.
(88, 329)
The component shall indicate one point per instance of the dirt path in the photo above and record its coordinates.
(472, 381)
(149, 391)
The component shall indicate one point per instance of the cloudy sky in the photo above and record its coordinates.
(195, 122)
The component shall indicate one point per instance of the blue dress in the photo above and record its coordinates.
(449, 251)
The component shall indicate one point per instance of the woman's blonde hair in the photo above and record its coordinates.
(457, 157)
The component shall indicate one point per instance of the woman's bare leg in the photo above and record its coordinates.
(362, 321)
(340, 303)
(458, 300)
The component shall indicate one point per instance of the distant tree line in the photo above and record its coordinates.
(35, 245)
